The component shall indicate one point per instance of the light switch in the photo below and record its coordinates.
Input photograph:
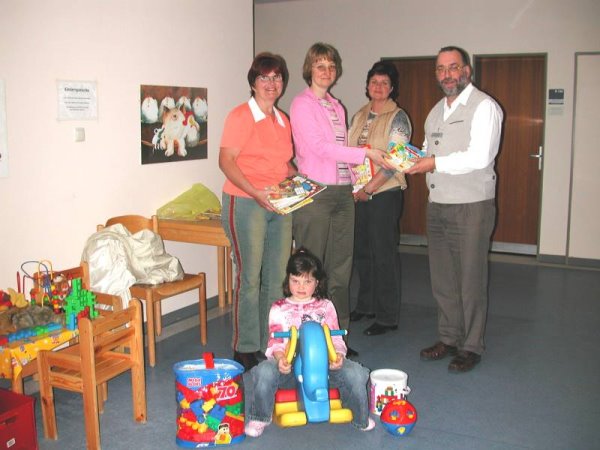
(79, 134)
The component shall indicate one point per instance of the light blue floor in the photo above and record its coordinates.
(537, 386)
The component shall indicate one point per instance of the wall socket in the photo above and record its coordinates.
(79, 135)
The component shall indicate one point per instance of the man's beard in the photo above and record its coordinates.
(455, 90)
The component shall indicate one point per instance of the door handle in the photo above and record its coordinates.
(539, 155)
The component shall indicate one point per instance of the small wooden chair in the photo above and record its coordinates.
(108, 346)
(154, 294)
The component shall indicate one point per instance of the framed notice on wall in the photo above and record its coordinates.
(3, 134)
(77, 100)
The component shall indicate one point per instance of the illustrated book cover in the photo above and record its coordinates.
(400, 155)
(294, 192)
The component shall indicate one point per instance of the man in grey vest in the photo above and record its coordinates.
(462, 136)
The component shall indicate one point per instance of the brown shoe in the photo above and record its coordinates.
(463, 362)
(439, 350)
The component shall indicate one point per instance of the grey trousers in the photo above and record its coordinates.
(326, 228)
(459, 241)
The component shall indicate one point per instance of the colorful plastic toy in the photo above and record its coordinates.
(399, 417)
(210, 404)
(311, 369)
(79, 303)
(33, 331)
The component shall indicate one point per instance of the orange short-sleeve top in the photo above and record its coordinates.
(265, 144)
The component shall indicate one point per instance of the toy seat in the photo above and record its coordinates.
(154, 294)
(311, 368)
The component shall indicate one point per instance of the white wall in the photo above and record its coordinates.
(58, 190)
(364, 31)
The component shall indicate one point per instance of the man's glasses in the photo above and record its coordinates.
(452, 69)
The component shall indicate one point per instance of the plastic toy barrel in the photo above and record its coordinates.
(386, 385)
(210, 402)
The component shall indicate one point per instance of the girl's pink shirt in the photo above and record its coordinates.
(286, 313)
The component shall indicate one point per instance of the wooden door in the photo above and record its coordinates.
(417, 93)
(518, 83)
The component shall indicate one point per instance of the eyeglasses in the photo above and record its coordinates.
(265, 78)
(325, 67)
(452, 68)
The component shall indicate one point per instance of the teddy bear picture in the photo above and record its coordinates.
(174, 123)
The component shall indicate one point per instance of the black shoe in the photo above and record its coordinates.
(377, 328)
(248, 360)
(351, 353)
(355, 316)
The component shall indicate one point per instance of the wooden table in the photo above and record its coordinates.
(206, 232)
(18, 358)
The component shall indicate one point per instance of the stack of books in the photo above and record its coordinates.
(294, 192)
(400, 155)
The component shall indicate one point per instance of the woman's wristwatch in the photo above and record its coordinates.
(369, 194)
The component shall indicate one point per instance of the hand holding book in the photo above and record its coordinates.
(402, 155)
(293, 193)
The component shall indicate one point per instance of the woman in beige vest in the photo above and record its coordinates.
(379, 203)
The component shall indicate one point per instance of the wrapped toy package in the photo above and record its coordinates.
(210, 402)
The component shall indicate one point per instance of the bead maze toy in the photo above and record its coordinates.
(311, 369)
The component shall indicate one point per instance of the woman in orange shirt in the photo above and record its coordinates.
(255, 155)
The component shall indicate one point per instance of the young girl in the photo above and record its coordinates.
(305, 290)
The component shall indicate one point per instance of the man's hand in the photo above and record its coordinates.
(422, 165)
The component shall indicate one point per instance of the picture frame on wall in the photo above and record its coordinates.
(174, 123)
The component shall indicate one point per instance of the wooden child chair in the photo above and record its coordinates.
(154, 294)
(108, 346)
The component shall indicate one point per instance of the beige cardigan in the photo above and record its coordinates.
(379, 136)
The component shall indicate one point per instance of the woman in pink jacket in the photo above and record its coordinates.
(326, 226)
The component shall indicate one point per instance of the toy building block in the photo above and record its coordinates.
(208, 405)
(213, 423)
(196, 408)
(236, 409)
(236, 424)
(218, 412)
(77, 301)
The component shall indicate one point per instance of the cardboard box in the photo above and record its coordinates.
(17, 422)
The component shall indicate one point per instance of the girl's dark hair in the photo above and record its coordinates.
(304, 262)
(384, 68)
(265, 63)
